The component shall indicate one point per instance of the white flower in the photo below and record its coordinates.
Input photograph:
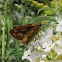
(45, 45)
(59, 19)
(37, 55)
(33, 56)
(40, 48)
(44, 56)
(42, 61)
(35, 44)
(11, 41)
(59, 25)
(58, 47)
(49, 47)
(46, 36)
(59, 42)
(59, 28)
(45, 41)
(16, 5)
(27, 54)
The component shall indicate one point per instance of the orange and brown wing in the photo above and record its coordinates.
(18, 32)
(31, 34)
(25, 33)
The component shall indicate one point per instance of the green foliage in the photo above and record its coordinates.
(21, 12)
(47, 2)
(47, 8)
(42, 18)
(51, 55)
(13, 52)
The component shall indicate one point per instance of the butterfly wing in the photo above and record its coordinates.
(18, 32)
(31, 34)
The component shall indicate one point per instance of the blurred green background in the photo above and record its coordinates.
(21, 12)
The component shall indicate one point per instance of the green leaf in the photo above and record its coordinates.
(42, 18)
(18, 52)
(52, 18)
(47, 8)
(0, 25)
(8, 22)
(52, 55)
(47, 2)
(60, 9)
(8, 52)
(12, 52)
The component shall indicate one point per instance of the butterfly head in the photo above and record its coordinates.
(40, 24)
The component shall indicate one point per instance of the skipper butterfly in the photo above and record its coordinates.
(25, 33)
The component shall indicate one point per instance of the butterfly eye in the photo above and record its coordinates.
(40, 24)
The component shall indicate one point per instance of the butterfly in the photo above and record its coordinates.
(25, 33)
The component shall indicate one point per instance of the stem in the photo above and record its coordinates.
(3, 39)
(3, 34)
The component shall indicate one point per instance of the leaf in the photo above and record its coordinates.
(8, 52)
(52, 18)
(0, 25)
(47, 2)
(12, 52)
(60, 9)
(52, 55)
(42, 18)
(47, 8)
(18, 52)
(0, 53)
(8, 22)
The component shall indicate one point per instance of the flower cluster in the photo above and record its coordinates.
(48, 48)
